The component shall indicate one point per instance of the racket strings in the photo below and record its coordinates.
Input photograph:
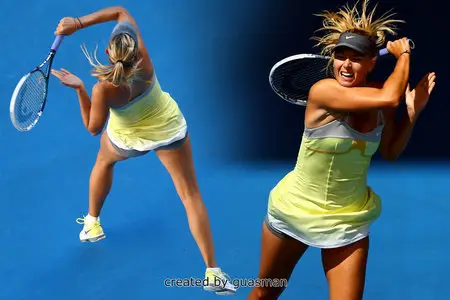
(29, 99)
(294, 79)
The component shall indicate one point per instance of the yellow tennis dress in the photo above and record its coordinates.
(148, 122)
(325, 201)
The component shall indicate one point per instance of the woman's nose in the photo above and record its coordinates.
(347, 63)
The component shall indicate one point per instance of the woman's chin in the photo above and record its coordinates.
(347, 82)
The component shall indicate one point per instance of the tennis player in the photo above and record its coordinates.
(142, 118)
(325, 202)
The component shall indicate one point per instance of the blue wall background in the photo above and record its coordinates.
(191, 43)
(214, 59)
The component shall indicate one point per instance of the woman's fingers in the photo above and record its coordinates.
(64, 70)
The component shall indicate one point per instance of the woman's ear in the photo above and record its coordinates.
(106, 51)
(373, 61)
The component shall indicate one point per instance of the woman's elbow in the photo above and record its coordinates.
(120, 8)
(390, 99)
(122, 11)
(393, 102)
(94, 131)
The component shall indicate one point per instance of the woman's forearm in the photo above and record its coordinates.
(102, 16)
(402, 136)
(85, 105)
(394, 87)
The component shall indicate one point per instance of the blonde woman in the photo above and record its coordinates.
(325, 202)
(142, 118)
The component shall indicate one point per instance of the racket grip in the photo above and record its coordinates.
(57, 42)
(385, 51)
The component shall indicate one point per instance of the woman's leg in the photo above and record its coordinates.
(179, 164)
(345, 269)
(102, 175)
(99, 186)
(279, 256)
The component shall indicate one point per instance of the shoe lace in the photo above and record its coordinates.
(81, 220)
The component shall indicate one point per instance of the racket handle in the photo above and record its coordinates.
(385, 51)
(57, 42)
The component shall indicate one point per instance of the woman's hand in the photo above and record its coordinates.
(398, 47)
(68, 79)
(67, 26)
(417, 99)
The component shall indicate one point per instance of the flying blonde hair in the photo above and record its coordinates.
(349, 19)
(124, 59)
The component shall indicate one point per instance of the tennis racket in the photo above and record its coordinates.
(292, 77)
(30, 95)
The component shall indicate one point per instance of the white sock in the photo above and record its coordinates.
(90, 218)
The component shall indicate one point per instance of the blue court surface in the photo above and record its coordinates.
(44, 178)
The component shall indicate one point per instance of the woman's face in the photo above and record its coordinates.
(351, 67)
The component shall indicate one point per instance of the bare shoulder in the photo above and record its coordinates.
(110, 94)
(323, 83)
(321, 89)
(103, 89)
(316, 113)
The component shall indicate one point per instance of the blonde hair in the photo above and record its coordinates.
(124, 61)
(349, 19)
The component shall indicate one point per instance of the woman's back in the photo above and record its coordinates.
(151, 119)
(126, 93)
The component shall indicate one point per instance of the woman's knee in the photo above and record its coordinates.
(107, 158)
(189, 195)
(187, 187)
(104, 160)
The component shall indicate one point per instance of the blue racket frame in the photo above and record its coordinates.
(46, 76)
